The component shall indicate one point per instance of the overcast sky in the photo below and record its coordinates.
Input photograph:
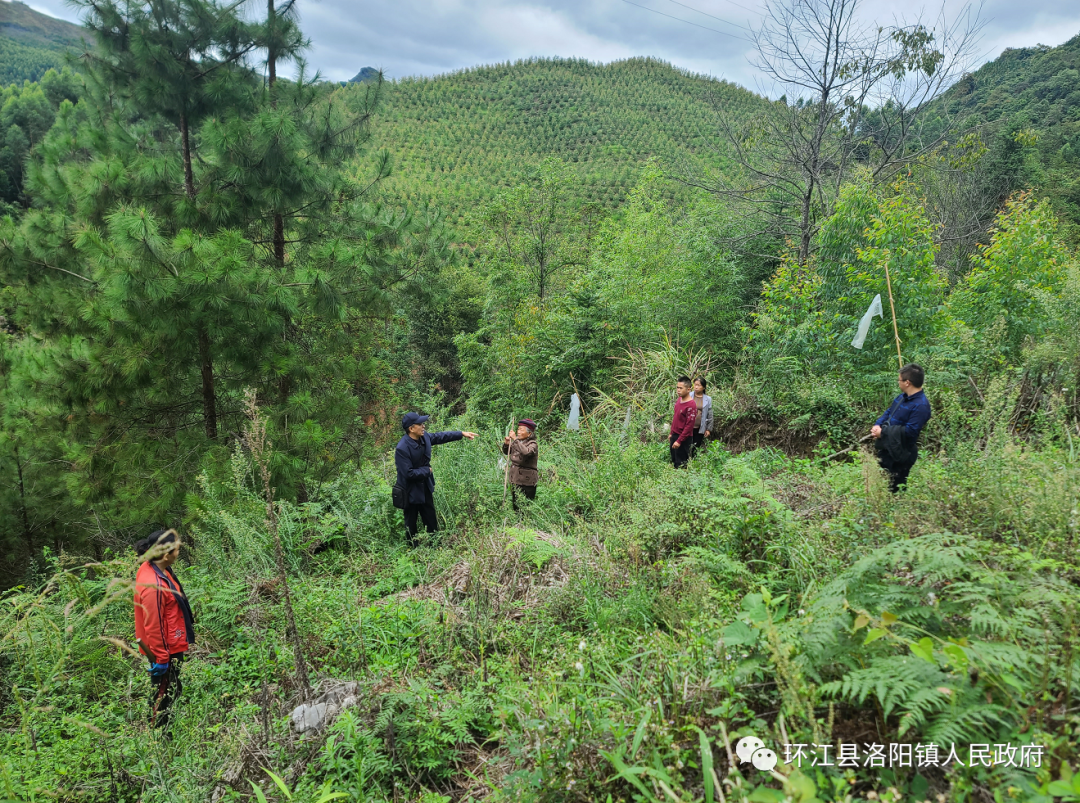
(428, 37)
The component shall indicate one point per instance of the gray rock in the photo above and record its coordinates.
(318, 713)
(309, 717)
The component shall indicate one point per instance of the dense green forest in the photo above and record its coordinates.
(1036, 89)
(220, 290)
(32, 43)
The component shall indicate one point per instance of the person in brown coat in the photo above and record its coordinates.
(522, 448)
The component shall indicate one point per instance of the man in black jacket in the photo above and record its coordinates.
(412, 456)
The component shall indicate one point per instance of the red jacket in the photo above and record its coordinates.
(682, 423)
(163, 623)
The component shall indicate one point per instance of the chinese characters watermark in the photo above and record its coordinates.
(853, 755)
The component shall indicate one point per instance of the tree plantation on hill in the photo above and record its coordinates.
(31, 42)
(459, 139)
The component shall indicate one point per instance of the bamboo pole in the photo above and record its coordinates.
(506, 472)
(892, 308)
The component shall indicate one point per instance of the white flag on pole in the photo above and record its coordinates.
(864, 324)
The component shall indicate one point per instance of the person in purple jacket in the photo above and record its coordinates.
(682, 423)
(897, 430)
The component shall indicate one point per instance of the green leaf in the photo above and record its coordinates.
(280, 784)
(1061, 789)
(888, 619)
(861, 621)
(957, 656)
(874, 635)
(919, 787)
(639, 734)
(738, 633)
(924, 648)
(258, 792)
(755, 607)
(706, 763)
(764, 794)
(626, 773)
(803, 788)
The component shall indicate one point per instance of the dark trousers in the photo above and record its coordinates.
(165, 691)
(898, 474)
(528, 490)
(699, 443)
(898, 471)
(426, 512)
(680, 456)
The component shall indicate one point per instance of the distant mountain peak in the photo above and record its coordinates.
(364, 76)
(18, 19)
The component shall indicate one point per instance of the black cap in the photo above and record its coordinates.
(413, 418)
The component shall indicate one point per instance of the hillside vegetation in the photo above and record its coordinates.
(31, 43)
(1036, 89)
(219, 293)
(460, 139)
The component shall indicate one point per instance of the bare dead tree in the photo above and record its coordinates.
(255, 440)
(854, 94)
(962, 197)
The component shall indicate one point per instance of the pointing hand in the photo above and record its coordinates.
(469, 435)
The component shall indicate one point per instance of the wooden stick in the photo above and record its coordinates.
(863, 440)
(506, 473)
(892, 308)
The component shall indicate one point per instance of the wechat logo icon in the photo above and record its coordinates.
(752, 749)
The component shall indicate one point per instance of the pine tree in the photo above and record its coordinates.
(153, 280)
(181, 61)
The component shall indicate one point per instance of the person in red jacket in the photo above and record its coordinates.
(164, 625)
(682, 423)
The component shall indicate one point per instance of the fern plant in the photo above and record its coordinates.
(951, 644)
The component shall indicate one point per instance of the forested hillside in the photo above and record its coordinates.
(460, 139)
(1036, 89)
(31, 43)
(222, 290)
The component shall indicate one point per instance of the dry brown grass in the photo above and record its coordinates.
(498, 575)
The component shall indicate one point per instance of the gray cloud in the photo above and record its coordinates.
(428, 37)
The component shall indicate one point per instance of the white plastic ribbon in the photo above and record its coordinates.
(864, 324)
(575, 412)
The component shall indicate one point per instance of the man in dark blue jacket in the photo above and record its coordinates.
(412, 456)
(897, 430)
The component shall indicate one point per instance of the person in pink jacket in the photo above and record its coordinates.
(164, 624)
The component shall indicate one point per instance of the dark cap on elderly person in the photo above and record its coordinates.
(529, 423)
(413, 418)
